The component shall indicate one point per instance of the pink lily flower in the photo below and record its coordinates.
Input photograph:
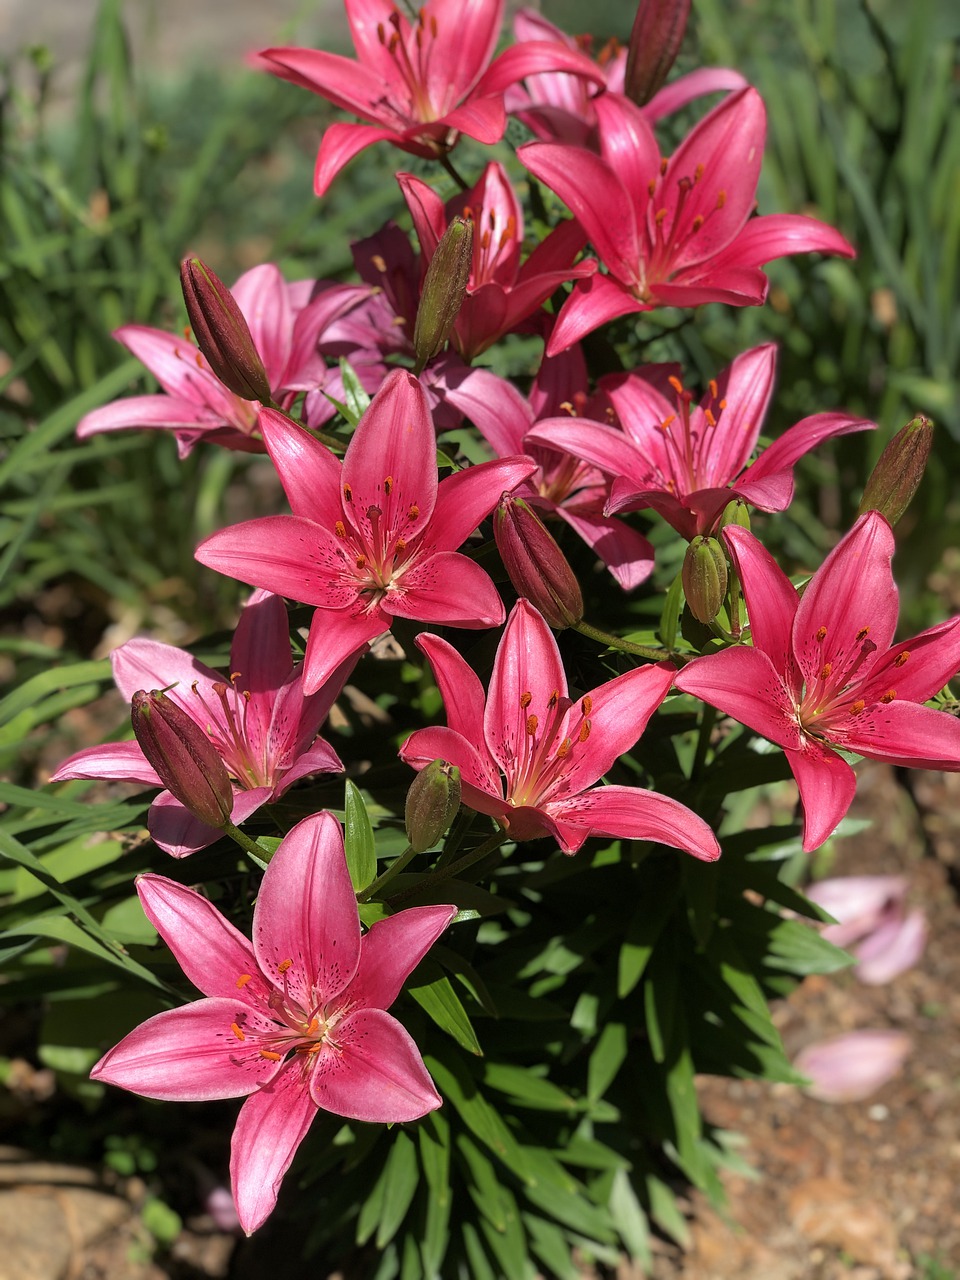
(501, 293)
(558, 107)
(852, 1066)
(688, 461)
(288, 323)
(824, 672)
(873, 923)
(294, 1021)
(562, 486)
(372, 538)
(677, 232)
(418, 84)
(261, 722)
(529, 755)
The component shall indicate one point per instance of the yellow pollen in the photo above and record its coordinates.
(388, 486)
(564, 749)
(243, 980)
(284, 965)
(862, 633)
(889, 695)
(713, 388)
(584, 733)
(697, 222)
(270, 1055)
(525, 700)
(361, 562)
(651, 187)
(340, 529)
(822, 634)
(379, 262)
(586, 705)
(857, 707)
(721, 199)
(413, 512)
(401, 545)
(348, 493)
(664, 163)
(825, 670)
(554, 699)
(237, 1032)
(901, 658)
(697, 175)
(711, 420)
(532, 723)
(677, 386)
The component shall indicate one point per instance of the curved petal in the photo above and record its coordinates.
(902, 733)
(190, 1054)
(896, 946)
(742, 683)
(270, 1127)
(482, 118)
(827, 787)
(527, 679)
(608, 448)
(746, 387)
(141, 412)
(468, 497)
(786, 450)
(176, 831)
(771, 600)
(448, 589)
(374, 1073)
(391, 951)
(210, 951)
(336, 636)
(346, 83)
(427, 211)
(494, 406)
(263, 296)
(339, 145)
(775, 235)
(482, 783)
(180, 369)
(918, 668)
(635, 814)
(306, 930)
(260, 658)
(628, 146)
(625, 551)
(320, 758)
(308, 471)
(459, 685)
(534, 57)
(466, 37)
(116, 761)
(151, 664)
(685, 89)
(705, 282)
(593, 302)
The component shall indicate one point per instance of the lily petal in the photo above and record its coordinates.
(392, 950)
(635, 814)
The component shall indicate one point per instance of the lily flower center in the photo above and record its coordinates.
(298, 1029)
(547, 748)
(839, 690)
(224, 718)
(491, 243)
(689, 437)
(376, 544)
(671, 233)
(411, 48)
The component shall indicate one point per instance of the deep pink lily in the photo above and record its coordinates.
(558, 107)
(501, 293)
(419, 84)
(824, 672)
(530, 756)
(259, 719)
(675, 232)
(562, 484)
(372, 538)
(295, 1021)
(288, 323)
(688, 461)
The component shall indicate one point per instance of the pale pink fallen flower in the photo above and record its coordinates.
(873, 923)
(851, 1067)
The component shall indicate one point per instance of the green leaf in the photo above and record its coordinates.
(665, 1211)
(486, 1189)
(526, 1088)
(551, 1246)
(401, 1175)
(434, 1137)
(357, 399)
(434, 993)
(606, 1060)
(630, 1219)
(510, 1246)
(484, 1121)
(670, 615)
(371, 1210)
(55, 679)
(358, 841)
(798, 948)
(639, 940)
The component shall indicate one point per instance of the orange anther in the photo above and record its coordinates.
(711, 420)
(584, 733)
(564, 749)
(525, 700)
(857, 707)
(901, 658)
(677, 386)
(862, 634)
(825, 670)
(697, 223)
(659, 217)
(237, 1032)
(532, 722)
(361, 562)
(663, 165)
(340, 529)
(553, 699)
(270, 1055)
(822, 634)
(388, 486)
(401, 545)
(284, 965)
(721, 199)
(243, 980)
(414, 512)
(586, 705)
(651, 187)
(889, 695)
(348, 493)
(713, 388)
(698, 173)
(379, 262)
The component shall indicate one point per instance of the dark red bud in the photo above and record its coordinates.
(185, 759)
(654, 44)
(537, 567)
(222, 333)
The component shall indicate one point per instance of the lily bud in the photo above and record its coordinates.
(654, 44)
(432, 804)
(536, 566)
(222, 332)
(444, 288)
(185, 759)
(704, 577)
(735, 512)
(899, 470)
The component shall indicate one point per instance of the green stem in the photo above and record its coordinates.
(393, 870)
(707, 720)
(461, 825)
(498, 838)
(246, 843)
(625, 646)
(449, 166)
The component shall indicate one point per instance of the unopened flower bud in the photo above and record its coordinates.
(704, 577)
(536, 566)
(432, 804)
(899, 470)
(654, 44)
(735, 512)
(444, 288)
(185, 759)
(222, 333)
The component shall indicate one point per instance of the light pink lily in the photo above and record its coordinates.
(530, 756)
(873, 923)
(675, 232)
(688, 461)
(288, 323)
(562, 485)
(418, 84)
(851, 1067)
(259, 719)
(295, 1021)
(372, 538)
(501, 293)
(824, 672)
(557, 107)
